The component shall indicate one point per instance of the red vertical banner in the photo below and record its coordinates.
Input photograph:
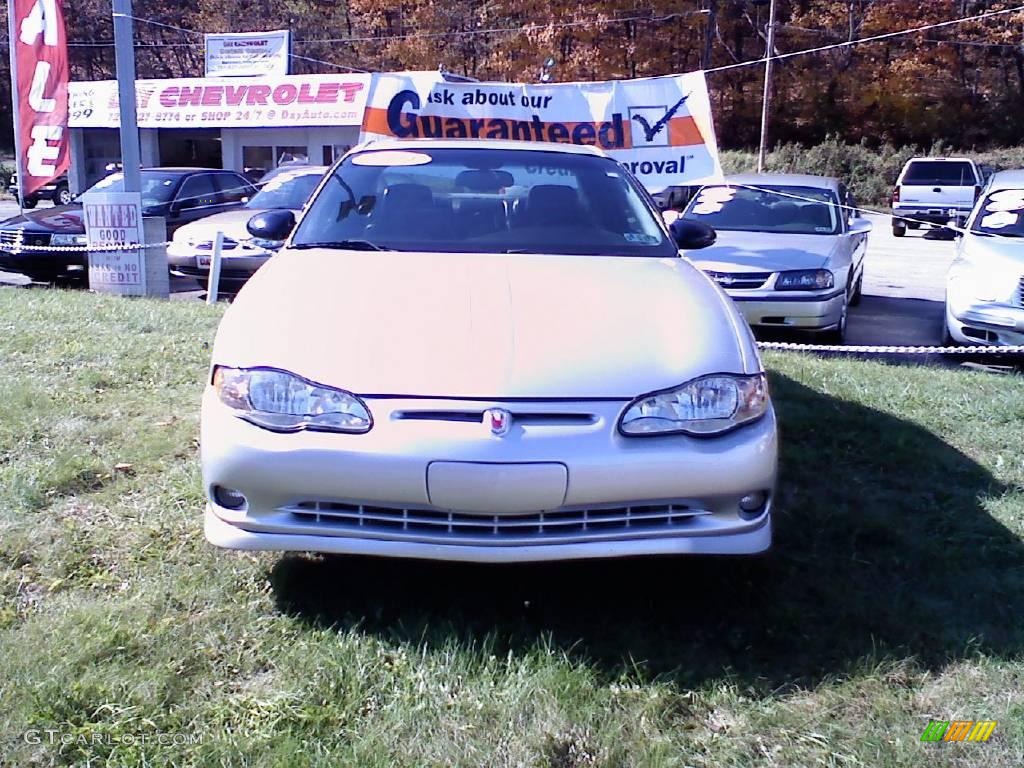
(41, 73)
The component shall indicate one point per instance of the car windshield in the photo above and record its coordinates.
(768, 208)
(286, 189)
(1001, 213)
(157, 187)
(923, 173)
(484, 200)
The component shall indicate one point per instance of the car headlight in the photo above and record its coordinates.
(285, 402)
(60, 239)
(805, 280)
(260, 242)
(709, 405)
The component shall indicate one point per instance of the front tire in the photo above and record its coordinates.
(899, 229)
(41, 276)
(947, 337)
(29, 202)
(858, 290)
(838, 334)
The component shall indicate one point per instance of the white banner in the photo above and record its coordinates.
(115, 219)
(240, 54)
(264, 102)
(660, 128)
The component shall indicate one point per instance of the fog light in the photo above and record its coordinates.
(753, 503)
(228, 498)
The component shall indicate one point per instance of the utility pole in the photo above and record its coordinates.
(124, 60)
(766, 99)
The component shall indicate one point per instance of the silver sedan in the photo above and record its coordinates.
(790, 249)
(985, 283)
(485, 351)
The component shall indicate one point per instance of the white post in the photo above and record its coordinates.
(214, 284)
(766, 99)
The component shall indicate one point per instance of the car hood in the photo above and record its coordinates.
(485, 326)
(994, 253)
(231, 223)
(59, 218)
(766, 252)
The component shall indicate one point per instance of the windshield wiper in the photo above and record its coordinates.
(347, 245)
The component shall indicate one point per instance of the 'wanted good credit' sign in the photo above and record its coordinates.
(113, 225)
(658, 127)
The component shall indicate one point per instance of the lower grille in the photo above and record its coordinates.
(207, 245)
(1020, 291)
(740, 280)
(564, 525)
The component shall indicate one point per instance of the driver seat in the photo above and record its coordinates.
(554, 205)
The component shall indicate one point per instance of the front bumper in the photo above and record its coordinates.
(930, 214)
(237, 264)
(384, 493)
(818, 311)
(13, 259)
(989, 324)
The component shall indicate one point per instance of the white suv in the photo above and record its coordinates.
(934, 190)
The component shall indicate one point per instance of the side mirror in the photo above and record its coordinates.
(692, 235)
(860, 226)
(272, 225)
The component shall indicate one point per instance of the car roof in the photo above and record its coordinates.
(939, 160)
(531, 146)
(784, 180)
(298, 170)
(1007, 180)
(184, 169)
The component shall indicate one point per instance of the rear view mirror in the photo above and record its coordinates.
(692, 235)
(272, 225)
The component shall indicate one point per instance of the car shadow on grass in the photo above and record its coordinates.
(883, 549)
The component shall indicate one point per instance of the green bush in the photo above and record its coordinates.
(869, 172)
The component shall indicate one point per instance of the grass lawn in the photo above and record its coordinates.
(895, 593)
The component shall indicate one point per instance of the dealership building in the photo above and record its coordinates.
(237, 123)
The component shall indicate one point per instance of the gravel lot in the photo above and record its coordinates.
(903, 287)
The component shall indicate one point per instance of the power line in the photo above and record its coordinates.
(875, 38)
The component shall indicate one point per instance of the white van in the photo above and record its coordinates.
(934, 190)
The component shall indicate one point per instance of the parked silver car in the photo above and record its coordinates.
(487, 351)
(985, 283)
(191, 249)
(790, 249)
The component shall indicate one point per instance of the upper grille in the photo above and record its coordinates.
(564, 525)
(740, 280)
(20, 237)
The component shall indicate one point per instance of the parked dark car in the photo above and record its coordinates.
(56, 190)
(180, 195)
